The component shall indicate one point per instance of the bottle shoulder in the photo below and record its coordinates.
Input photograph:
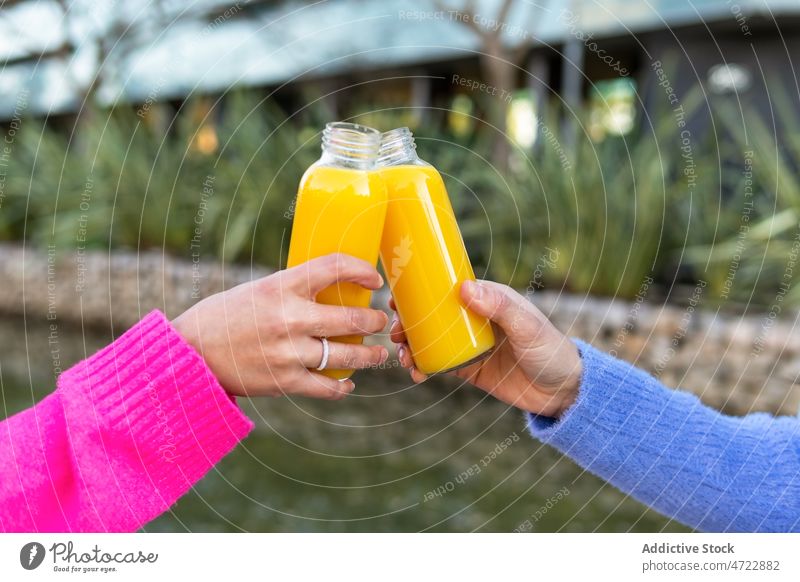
(326, 168)
(410, 170)
(416, 162)
(331, 178)
(325, 162)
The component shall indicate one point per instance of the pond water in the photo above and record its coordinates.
(392, 457)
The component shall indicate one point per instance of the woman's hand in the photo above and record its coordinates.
(534, 366)
(261, 338)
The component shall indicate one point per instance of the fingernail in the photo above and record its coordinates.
(474, 289)
(401, 355)
(380, 280)
(348, 385)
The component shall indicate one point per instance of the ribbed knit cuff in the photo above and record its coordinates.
(618, 405)
(152, 390)
(668, 450)
(606, 401)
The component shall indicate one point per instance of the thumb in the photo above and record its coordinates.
(499, 303)
(516, 316)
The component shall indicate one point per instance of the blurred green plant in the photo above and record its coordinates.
(200, 182)
(218, 178)
(748, 249)
(584, 215)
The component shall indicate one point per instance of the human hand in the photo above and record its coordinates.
(261, 338)
(533, 367)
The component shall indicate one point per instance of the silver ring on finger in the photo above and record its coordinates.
(326, 352)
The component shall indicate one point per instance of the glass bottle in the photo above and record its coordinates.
(340, 208)
(425, 261)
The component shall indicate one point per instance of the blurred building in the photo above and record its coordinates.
(57, 54)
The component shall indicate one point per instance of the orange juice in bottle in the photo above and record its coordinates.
(425, 261)
(340, 208)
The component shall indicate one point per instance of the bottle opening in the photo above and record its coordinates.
(397, 147)
(351, 145)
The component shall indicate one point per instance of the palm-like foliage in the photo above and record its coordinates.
(605, 215)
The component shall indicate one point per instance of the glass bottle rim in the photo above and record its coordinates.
(397, 147)
(351, 144)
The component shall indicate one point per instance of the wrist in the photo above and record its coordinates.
(568, 392)
(186, 327)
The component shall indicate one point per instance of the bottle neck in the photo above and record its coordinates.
(397, 148)
(349, 145)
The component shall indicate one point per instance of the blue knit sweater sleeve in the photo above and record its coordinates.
(665, 448)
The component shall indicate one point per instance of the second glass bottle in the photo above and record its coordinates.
(425, 261)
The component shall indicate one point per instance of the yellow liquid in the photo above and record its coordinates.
(425, 262)
(339, 210)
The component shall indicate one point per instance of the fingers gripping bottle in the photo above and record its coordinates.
(340, 208)
(425, 261)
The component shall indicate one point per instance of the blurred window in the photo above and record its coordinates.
(612, 108)
(729, 78)
(521, 119)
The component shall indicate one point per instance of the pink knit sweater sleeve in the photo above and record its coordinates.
(126, 433)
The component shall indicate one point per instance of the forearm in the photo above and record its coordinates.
(127, 432)
(668, 450)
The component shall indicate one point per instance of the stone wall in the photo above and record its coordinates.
(738, 364)
(96, 287)
(734, 363)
